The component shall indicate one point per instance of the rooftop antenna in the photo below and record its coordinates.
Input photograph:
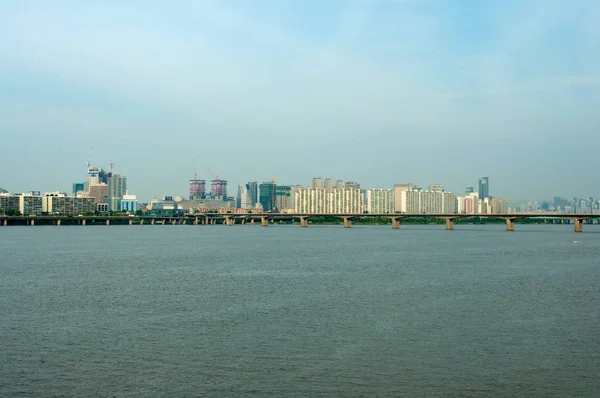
(90, 159)
(112, 166)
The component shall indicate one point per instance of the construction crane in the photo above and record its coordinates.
(112, 166)
(195, 173)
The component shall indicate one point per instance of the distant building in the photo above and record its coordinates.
(129, 203)
(380, 201)
(428, 202)
(484, 188)
(328, 185)
(78, 186)
(197, 189)
(246, 195)
(117, 187)
(267, 195)
(218, 188)
(318, 183)
(99, 192)
(469, 190)
(10, 204)
(59, 203)
(398, 189)
(320, 201)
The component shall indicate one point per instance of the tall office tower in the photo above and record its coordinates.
(117, 187)
(469, 190)
(339, 184)
(252, 187)
(197, 189)
(244, 198)
(218, 188)
(318, 183)
(484, 188)
(328, 185)
(267, 195)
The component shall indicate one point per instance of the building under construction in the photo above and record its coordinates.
(197, 189)
(218, 188)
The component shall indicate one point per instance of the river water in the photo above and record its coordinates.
(288, 311)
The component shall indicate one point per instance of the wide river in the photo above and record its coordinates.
(216, 311)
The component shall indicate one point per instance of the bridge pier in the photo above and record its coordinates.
(83, 222)
(264, 221)
(243, 221)
(347, 222)
(395, 223)
(130, 221)
(107, 221)
(57, 223)
(449, 224)
(196, 221)
(304, 222)
(229, 221)
(141, 221)
(32, 222)
(152, 222)
(510, 224)
(578, 224)
(4, 222)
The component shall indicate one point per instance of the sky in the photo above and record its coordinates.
(379, 92)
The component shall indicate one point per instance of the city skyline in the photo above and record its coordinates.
(380, 92)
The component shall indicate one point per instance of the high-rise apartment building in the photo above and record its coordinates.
(320, 201)
(267, 195)
(328, 185)
(318, 183)
(380, 201)
(398, 189)
(428, 202)
(117, 187)
(484, 188)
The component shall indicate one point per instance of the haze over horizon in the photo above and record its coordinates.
(379, 92)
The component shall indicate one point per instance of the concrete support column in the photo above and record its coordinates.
(449, 224)
(163, 222)
(107, 222)
(252, 221)
(196, 221)
(4, 222)
(395, 223)
(304, 222)
(32, 222)
(510, 224)
(264, 221)
(141, 221)
(347, 222)
(579, 225)
(83, 222)
(58, 223)
(130, 221)
(243, 221)
(152, 222)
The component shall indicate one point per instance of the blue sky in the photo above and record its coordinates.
(380, 92)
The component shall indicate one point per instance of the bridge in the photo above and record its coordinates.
(264, 219)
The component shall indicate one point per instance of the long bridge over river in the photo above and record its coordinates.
(264, 219)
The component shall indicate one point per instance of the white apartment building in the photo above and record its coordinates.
(428, 202)
(320, 201)
(380, 201)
